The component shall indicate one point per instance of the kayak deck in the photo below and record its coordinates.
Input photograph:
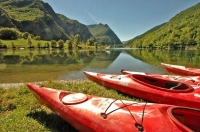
(181, 70)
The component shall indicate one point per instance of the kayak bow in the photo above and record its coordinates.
(181, 70)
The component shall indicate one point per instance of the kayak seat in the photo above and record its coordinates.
(172, 86)
(168, 85)
(177, 86)
(151, 80)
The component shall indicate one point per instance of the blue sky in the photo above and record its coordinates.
(127, 18)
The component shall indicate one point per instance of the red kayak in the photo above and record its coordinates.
(150, 88)
(181, 70)
(91, 113)
(192, 80)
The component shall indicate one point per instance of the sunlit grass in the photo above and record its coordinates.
(23, 42)
(20, 111)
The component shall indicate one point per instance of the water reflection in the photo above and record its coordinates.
(55, 56)
(155, 57)
(42, 65)
(123, 61)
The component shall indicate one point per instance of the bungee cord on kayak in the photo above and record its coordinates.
(138, 125)
(116, 77)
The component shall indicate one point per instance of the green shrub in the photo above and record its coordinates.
(8, 33)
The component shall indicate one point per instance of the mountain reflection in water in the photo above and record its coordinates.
(123, 61)
(44, 65)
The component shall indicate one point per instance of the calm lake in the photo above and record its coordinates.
(18, 66)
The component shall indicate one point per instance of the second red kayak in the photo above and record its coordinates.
(181, 70)
(150, 88)
(192, 80)
(89, 113)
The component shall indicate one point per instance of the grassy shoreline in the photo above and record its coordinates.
(20, 111)
(23, 44)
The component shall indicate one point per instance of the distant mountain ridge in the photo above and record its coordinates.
(104, 34)
(39, 19)
(180, 31)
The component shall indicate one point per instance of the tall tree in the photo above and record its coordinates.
(76, 40)
(61, 43)
(29, 41)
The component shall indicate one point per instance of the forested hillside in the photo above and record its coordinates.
(104, 34)
(34, 17)
(179, 32)
(38, 19)
(74, 27)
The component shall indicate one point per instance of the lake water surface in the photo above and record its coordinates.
(43, 65)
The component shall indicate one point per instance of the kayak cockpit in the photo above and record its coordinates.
(187, 119)
(162, 84)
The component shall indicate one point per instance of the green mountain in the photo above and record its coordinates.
(39, 19)
(74, 27)
(5, 19)
(180, 31)
(103, 34)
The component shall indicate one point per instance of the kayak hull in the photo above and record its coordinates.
(181, 70)
(91, 113)
(191, 80)
(129, 84)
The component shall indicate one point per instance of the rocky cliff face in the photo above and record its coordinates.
(5, 20)
(38, 18)
(74, 27)
(46, 29)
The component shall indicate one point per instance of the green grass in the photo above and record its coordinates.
(24, 43)
(20, 111)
